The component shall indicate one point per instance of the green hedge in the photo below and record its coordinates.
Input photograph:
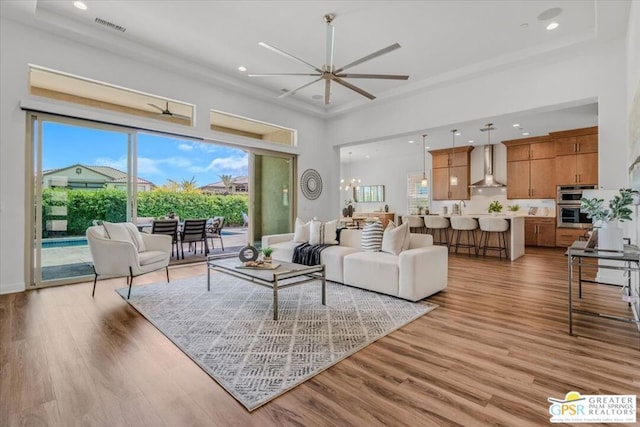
(84, 206)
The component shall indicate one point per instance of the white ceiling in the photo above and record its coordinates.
(441, 40)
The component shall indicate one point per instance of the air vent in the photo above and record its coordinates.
(110, 25)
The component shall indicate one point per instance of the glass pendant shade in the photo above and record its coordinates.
(423, 183)
(453, 180)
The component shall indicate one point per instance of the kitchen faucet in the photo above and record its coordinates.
(462, 204)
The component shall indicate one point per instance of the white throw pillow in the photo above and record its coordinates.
(135, 236)
(323, 232)
(121, 232)
(394, 237)
(407, 238)
(371, 239)
(302, 230)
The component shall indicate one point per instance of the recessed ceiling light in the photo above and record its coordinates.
(242, 68)
(367, 156)
(411, 142)
(80, 5)
(458, 134)
(427, 147)
(552, 26)
(525, 133)
(471, 141)
(515, 125)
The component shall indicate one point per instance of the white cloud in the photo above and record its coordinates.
(222, 165)
(185, 147)
(120, 164)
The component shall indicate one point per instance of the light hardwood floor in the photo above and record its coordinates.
(491, 354)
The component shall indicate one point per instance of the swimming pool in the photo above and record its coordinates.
(64, 242)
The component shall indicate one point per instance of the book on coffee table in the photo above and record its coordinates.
(264, 266)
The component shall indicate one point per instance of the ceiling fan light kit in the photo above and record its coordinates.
(328, 72)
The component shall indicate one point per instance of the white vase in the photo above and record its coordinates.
(610, 237)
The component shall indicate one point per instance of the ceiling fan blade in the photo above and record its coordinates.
(288, 55)
(155, 106)
(282, 74)
(180, 116)
(374, 76)
(291, 92)
(352, 87)
(327, 91)
(370, 56)
(330, 39)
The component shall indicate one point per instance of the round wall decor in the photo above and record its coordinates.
(311, 184)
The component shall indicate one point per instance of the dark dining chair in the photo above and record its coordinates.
(169, 227)
(214, 230)
(193, 231)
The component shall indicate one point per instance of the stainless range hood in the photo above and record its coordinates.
(487, 181)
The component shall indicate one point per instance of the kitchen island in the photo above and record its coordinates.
(515, 233)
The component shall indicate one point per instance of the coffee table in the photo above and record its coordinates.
(286, 275)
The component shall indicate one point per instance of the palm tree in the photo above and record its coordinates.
(227, 181)
(189, 185)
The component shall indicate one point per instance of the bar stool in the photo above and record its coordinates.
(416, 224)
(460, 224)
(437, 224)
(498, 226)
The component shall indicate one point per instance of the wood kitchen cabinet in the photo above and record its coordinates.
(566, 236)
(531, 168)
(576, 156)
(445, 164)
(540, 232)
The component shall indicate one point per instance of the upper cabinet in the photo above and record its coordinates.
(530, 163)
(447, 163)
(576, 156)
(535, 166)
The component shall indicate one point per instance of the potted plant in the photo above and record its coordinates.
(495, 207)
(608, 218)
(513, 208)
(266, 253)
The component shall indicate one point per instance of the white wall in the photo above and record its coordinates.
(633, 54)
(594, 71)
(21, 45)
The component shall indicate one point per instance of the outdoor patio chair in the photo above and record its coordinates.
(119, 249)
(168, 227)
(193, 231)
(214, 230)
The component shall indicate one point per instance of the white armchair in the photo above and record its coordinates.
(119, 249)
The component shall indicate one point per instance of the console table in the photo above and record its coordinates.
(629, 263)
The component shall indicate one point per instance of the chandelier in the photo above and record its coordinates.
(347, 185)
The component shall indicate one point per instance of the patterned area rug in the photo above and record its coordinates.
(230, 332)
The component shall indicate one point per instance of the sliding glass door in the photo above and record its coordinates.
(81, 175)
(85, 172)
(272, 178)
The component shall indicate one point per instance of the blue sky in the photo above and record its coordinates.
(159, 158)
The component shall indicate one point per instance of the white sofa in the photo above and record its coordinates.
(414, 274)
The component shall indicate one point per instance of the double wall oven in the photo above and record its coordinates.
(568, 206)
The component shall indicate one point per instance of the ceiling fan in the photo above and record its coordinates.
(329, 72)
(166, 112)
